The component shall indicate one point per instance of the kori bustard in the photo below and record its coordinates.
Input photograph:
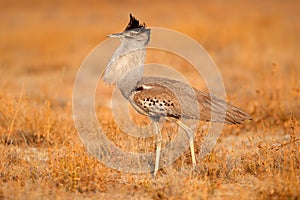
(158, 97)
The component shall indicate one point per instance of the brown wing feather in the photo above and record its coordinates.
(155, 100)
(183, 102)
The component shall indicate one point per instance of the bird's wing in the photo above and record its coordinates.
(180, 100)
(155, 100)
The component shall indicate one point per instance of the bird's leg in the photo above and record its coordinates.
(158, 145)
(191, 140)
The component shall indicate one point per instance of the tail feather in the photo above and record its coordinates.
(220, 110)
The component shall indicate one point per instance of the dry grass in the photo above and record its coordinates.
(256, 47)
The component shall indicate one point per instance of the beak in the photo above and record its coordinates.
(115, 35)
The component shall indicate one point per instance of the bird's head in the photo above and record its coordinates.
(134, 32)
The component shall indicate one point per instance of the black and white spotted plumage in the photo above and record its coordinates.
(159, 97)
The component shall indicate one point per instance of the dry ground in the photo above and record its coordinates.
(255, 44)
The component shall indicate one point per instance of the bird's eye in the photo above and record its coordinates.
(132, 33)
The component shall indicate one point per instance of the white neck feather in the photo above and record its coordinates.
(126, 67)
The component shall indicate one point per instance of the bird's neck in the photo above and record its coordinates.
(126, 67)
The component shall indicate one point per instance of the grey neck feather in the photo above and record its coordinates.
(126, 66)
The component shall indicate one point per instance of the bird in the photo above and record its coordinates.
(160, 97)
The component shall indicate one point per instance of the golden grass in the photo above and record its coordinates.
(256, 47)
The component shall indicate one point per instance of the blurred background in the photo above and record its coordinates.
(254, 43)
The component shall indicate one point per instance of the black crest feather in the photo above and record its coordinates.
(134, 23)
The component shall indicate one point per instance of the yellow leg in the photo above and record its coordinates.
(158, 147)
(191, 140)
